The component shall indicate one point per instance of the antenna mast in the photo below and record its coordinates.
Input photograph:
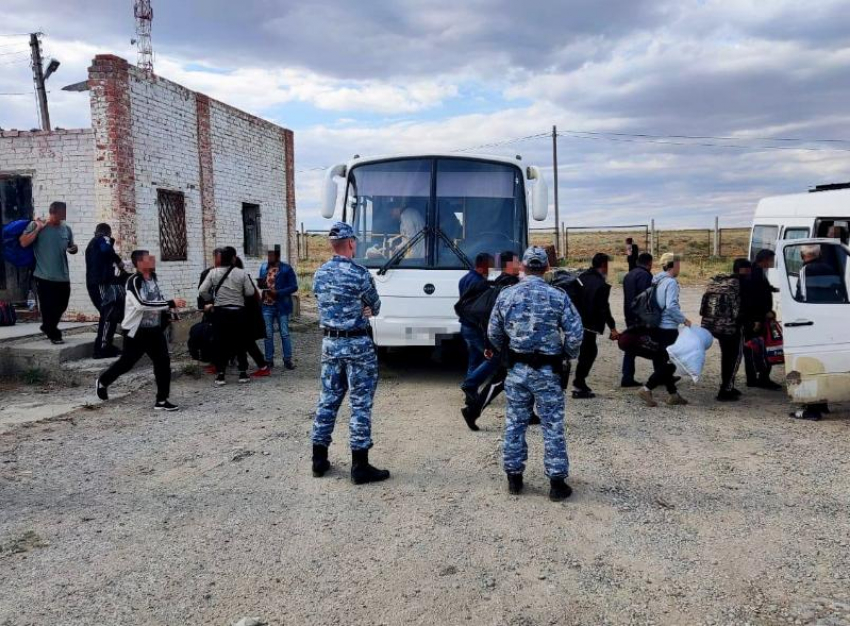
(144, 17)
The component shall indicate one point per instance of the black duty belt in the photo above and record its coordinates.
(536, 360)
(332, 332)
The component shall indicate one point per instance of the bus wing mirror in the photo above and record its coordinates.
(539, 194)
(330, 190)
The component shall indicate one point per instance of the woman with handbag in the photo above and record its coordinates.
(146, 315)
(224, 290)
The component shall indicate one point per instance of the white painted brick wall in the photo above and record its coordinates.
(165, 151)
(248, 166)
(61, 165)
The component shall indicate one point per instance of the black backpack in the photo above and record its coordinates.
(477, 303)
(645, 307)
(570, 283)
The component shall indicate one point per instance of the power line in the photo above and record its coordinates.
(5, 54)
(622, 137)
(16, 35)
(14, 93)
(713, 137)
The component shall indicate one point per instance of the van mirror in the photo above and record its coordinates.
(330, 190)
(539, 194)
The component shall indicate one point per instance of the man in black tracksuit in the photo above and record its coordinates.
(102, 266)
(636, 281)
(595, 315)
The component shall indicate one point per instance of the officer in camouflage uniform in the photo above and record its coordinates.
(541, 327)
(346, 295)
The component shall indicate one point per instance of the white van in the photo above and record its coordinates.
(815, 310)
(822, 212)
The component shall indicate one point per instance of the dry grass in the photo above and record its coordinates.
(694, 245)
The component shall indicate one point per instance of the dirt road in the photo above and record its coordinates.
(707, 514)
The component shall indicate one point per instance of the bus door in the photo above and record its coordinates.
(814, 280)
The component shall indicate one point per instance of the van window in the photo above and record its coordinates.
(817, 274)
(764, 238)
(795, 233)
(832, 228)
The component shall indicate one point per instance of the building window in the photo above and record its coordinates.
(252, 241)
(172, 225)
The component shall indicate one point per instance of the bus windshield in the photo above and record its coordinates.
(440, 212)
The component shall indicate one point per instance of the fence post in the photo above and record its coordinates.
(653, 241)
(566, 244)
(716, 236)
(306, 242)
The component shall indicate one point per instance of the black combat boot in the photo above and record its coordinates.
(515, 484)
(320, 461)
(559, 490)
(362, 472)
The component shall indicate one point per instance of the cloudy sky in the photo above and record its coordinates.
(627, 82)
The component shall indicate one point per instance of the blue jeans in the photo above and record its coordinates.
(628, 367)
(481, 373)
(270, 314)
(474, 348)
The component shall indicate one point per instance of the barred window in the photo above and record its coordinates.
(252, 243)
(172, 225)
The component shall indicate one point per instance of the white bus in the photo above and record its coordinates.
(420, 221)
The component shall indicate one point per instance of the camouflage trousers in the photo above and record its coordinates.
(351, 368)
(525, 387)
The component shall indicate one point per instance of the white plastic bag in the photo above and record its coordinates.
(688, 353)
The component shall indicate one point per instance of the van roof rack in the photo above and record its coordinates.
(829, 187)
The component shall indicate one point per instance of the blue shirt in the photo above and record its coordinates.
(470, 278)
(285, 284)
(536, 317)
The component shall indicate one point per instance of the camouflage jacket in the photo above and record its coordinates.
(342, 288)
(536, 317)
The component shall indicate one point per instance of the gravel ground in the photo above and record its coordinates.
(707, 514)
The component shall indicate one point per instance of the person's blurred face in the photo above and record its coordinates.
(604, 269)
(766, 264)
(677, 267)
(59, 214)
(744, 271)
(147, 263)
(271, 257)
(513, 267)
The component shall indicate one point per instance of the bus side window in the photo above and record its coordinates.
(764, 238)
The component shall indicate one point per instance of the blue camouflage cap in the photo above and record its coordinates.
(535, 258)
(341, 230)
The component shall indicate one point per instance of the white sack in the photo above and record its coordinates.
(688, 353)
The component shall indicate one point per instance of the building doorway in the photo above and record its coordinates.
(15, 204)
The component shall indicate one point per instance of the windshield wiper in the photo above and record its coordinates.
(454, 248)
(402, 251)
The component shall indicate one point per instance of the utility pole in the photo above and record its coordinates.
(555, 170)
(38, 79)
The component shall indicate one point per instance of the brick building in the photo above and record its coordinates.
(172, 171)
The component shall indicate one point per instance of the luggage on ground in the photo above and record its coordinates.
(8, 317)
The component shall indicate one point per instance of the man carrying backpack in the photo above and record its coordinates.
(636, 281)
(722, 315)
(595, 312)
(52, 240)
(664, 299)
